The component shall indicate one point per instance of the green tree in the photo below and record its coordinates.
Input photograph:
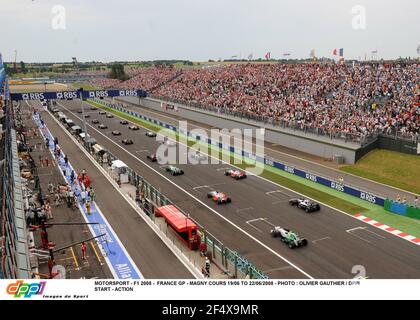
(117, 72)
(23, 67)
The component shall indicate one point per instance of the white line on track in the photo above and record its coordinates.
(318, 240)
(198, 200)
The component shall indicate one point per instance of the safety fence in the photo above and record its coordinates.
(148, 197)
(336, 185)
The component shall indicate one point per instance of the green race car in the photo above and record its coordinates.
(292, 239)
(174, 171)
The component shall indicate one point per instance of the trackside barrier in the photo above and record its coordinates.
(147, 197)
(402, 209)
(355, 192)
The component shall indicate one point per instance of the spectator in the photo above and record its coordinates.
(84, 250)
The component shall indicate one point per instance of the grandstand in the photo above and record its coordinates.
(338, 101)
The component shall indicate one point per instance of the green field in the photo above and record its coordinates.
(389, 167)
(334, 198)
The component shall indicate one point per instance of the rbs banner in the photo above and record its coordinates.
(76, 94)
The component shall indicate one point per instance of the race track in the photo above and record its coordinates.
(337, 242)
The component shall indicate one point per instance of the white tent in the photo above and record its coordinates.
(118, 164)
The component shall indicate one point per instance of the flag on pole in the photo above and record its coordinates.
(268, 56)
(341, 52)
(418, 49)
(334, 52)
(250, 56)
(287, 54)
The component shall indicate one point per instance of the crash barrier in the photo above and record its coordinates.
(351, 190)
(402, 209)
(148, 198)
(120, 263)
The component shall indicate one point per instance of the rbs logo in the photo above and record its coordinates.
(27, 290)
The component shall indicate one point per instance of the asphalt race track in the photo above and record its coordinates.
(337, 242)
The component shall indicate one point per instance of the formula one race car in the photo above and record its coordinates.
(92, 108)
(133, 127)
(169, 143)
(152, 157)
(219, 197)
(110, 115)
(116, 133)
(151, 134)
(175, 171)
(79, 111)
(198, 156)
(236, 174)
(305, 204)
(103, 126)
(127, 141)
(87, 116)
(95, 121)
(102, 112)
(289, 237)
(123, 122)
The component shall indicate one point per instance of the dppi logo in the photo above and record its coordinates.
(27, 290)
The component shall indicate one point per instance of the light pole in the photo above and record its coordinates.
(83, 112)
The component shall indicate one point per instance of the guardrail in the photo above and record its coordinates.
(342, 187)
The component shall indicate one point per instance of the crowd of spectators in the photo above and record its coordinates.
(329, 99)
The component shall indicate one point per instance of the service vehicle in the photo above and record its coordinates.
(292, 239)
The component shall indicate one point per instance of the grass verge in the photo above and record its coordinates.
(389, 167)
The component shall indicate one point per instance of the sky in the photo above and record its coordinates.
(198, 30)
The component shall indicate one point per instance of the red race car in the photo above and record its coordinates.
(152, 157)
(219, 197)
(236, 174)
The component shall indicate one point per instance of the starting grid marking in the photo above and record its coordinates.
(388, 229)
(119, 261)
